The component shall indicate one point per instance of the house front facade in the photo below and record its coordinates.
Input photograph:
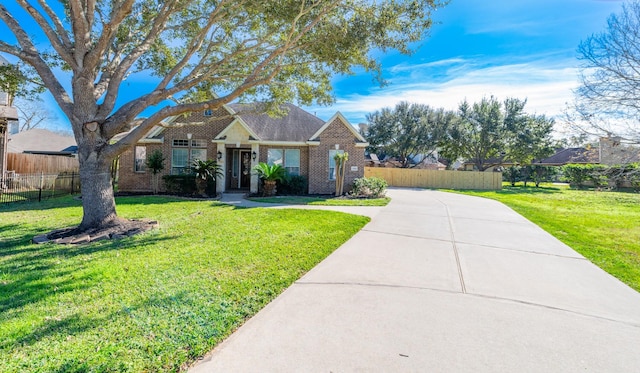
(239, 136)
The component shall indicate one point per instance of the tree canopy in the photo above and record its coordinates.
(608, 99)
(490, 132)
(198, 54)
(407, 130)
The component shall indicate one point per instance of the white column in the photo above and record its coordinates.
(254, 177)
(221, 180)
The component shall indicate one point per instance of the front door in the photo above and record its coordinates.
(239, 167)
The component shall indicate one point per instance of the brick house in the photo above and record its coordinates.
(240, 137)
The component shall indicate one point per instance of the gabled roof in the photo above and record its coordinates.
(296, 126)
(41, 141)
(358, 137)
(572, 155)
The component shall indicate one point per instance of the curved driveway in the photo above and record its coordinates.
(441, 282)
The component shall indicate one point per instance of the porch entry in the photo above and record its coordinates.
(239, 168)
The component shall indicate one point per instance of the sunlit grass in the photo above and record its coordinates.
(152, 302)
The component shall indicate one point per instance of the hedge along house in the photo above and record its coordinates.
(239, 137)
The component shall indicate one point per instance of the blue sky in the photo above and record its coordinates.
(505, 48)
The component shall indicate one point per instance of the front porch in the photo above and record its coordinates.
(237, 161)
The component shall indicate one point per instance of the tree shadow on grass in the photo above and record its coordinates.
(37, 272)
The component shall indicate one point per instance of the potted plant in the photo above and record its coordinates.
(270, 174)
(205, 171)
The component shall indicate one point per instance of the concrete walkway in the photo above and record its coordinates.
(441, 282)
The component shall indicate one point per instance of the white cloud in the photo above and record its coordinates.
(546, 86)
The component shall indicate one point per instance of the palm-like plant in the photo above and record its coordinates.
(270, 174)
(205, 170)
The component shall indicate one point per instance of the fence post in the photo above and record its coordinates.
(40, 189)
(73, 178)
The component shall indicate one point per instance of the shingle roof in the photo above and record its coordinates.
(41, 141)
(296, 125)
(572, 155)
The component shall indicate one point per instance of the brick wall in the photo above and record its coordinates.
(131, 181)
(335, 133)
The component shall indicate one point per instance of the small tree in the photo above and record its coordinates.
(512, 174)
(341, 161)
(155, 163)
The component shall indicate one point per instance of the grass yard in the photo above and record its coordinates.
(324, 201)
(153, 302)
(602, 226)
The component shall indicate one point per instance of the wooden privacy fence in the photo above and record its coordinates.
(22, 163)
(412, 178)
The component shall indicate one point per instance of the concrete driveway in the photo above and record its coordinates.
(441, 282)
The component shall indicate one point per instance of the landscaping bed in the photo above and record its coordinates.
(323, 200)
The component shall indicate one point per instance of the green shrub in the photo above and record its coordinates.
(597, 174)
(576, 174)
(185, 185)
(541, 173)
(369, 187)
(621, 175)
(293, 185)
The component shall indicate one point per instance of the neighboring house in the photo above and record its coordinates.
(610, 151)
(570, 155)
(42, 141)
(239, 138)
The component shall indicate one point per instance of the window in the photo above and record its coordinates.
(292, 161)
(184, 152)
(274, 156)
(179, 160)
(208, 112)
(199, 143)
(332, 163)
(236, 163)
(200, 154)
(181, 143)
(287, 158)
(140, 158)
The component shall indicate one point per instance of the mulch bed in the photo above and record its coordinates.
(121, 229)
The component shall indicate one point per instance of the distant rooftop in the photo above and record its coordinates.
(41, 141)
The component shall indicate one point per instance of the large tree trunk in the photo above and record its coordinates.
(98, 203)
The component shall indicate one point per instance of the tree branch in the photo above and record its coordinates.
(54, 38)
(30, 55)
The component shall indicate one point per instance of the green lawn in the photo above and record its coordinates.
(325, 201)
(152, 302)
(602, 226)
